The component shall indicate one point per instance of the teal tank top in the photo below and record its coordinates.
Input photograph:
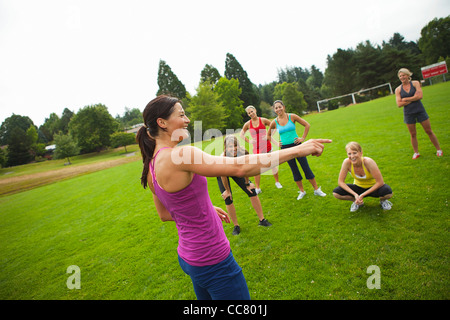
(287, 132)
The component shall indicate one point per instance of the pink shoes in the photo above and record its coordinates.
(439, 153)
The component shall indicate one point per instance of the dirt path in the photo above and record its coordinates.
(30, 181)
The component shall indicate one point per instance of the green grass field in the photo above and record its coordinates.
(106, 224)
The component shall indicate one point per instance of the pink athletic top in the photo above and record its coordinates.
(202, 240)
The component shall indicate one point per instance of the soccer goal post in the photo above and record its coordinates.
(355, 93)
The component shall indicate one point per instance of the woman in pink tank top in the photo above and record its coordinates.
(176, 177)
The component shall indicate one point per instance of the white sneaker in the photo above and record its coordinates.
(354, 207)
(386, 205)
(301, 195)
(278, 185)
(258, 191)
(439, 153)
(415, 156)
(319, 192)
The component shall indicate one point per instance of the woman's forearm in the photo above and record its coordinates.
(256, 164)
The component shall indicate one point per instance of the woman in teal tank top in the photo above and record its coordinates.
(285, 124)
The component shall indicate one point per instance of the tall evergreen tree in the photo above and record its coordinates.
(394, 57)
(397, 41)
(315, 79)
(250, 94)
(293, 74)
(340, 72)
(169, 83)
(210, 74)
(51, 126)
(368, 65)
(64, 121)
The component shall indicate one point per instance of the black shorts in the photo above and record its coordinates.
(415, 117)
(240, 182)
(380, 192)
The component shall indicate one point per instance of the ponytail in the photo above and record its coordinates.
(147, 146)
(160, 107)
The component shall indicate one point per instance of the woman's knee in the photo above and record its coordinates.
(337, 195)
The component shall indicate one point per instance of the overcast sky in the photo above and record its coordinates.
(68, 54)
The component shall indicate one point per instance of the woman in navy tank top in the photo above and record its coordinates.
(408, 95)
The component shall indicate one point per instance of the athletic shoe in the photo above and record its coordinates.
(236, 230)
(264, 223)
(301, 195)
(319, 192)
(258, 191)
(278, 185)
(439, 153)
(385, 204)
(415, 156)
(354, 207)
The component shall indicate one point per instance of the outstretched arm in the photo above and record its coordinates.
(204, 164)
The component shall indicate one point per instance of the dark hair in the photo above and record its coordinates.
(277, 101)
(232, 139)
(160, 107)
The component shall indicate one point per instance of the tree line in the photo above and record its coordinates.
(219, 100)
(348, 70)
(91, 129)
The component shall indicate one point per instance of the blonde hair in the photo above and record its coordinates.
(353, 146)
(250, 107)
(405, 71)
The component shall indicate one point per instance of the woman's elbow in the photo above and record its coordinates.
(165, 216)
(165, 219)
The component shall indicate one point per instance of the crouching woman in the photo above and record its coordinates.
(368, 181)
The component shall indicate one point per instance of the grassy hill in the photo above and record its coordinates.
(106, 224)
